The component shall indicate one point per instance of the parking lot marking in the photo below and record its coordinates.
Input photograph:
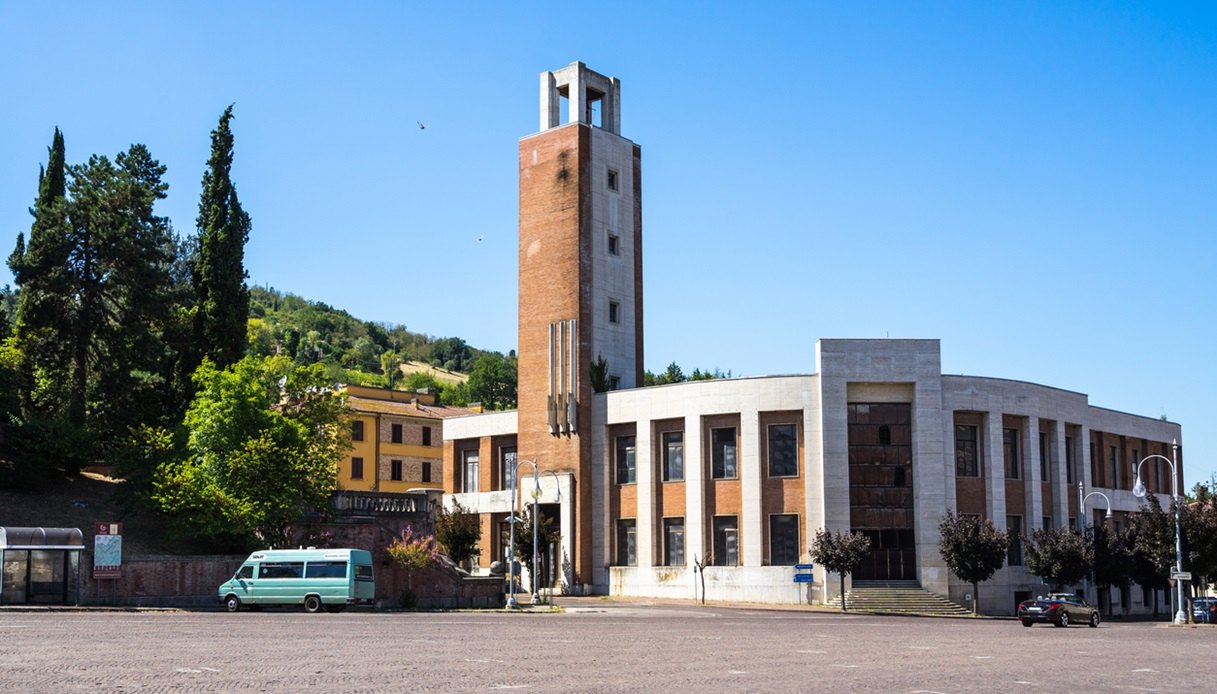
(1144, 669)
(983, 657)
(811, 651)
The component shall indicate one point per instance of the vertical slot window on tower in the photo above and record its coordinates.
(614, 245)
(614, 312)
(612, 180)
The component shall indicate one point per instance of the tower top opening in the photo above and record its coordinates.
(583, 95)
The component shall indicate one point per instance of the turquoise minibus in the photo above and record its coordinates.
(318, 579)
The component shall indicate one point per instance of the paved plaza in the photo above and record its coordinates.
(592, 646)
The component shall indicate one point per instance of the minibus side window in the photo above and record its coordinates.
(326, 569)
(363, 572)
(281, 569)
(246, 571)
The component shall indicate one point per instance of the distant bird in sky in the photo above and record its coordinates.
(479, 237)
(421, 125)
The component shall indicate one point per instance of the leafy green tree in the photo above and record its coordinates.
(973, 549)
(1114, 559)
(1151, 533)
(841, 553)
(219, 278)
(451, 353)
(1199, 523)
(492, 381)
(546, 537)
(263, 447)
(1061, 556)
(421, 379)
(458, 531)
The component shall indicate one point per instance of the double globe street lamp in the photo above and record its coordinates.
(1138, 490)
(536, 499)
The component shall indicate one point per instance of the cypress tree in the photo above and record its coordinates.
(40, 269)
(219, 274)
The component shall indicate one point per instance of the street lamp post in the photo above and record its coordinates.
(536, 499)
(1082, 515)
(1138, 490)
(511, 551)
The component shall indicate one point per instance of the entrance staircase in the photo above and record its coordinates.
(897, 597)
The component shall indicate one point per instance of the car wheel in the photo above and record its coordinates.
(232, 603)
(312, 604)
(1027, 622)
(1064, 622)
(1094, 620)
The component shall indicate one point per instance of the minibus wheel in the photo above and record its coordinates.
(312, 604)
(233, 603)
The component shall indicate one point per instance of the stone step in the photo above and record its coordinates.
(901, 597)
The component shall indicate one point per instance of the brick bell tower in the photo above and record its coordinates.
(580, 284)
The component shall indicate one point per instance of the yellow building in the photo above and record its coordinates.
(397, 440)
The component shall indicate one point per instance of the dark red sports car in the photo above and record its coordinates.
(1059, 610)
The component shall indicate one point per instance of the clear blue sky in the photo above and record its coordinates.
(1035, 183)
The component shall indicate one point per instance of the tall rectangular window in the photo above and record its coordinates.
(1094, 467)
(625, 460)
(426, 472)
(966, 451)
(726, 541)
(1157, 475)
(1069, 459)
(357, 430)
(426, 436)
(723, 453)
(1047, 522)
(1044, 456)
(673, 456)
(626, 543)
(395, 471)
(1010, 453)
(612, 179)
(395, 433)
(614, 245)
(1114, 463)
(783, 450)
(784, 539)
(674, 541)
(356, 468)
(507, 466)
(469, 480)
(1014, 528)
(614, 312)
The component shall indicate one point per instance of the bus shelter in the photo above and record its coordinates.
(40, 565)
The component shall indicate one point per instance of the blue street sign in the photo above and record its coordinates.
(803, 578)
(803, 567)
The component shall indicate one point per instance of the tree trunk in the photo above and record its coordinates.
(975, 598)
(842, 575)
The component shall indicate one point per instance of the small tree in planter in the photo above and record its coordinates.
(973, 549)
(1061, 556)
(413, 552)
(841, 553)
